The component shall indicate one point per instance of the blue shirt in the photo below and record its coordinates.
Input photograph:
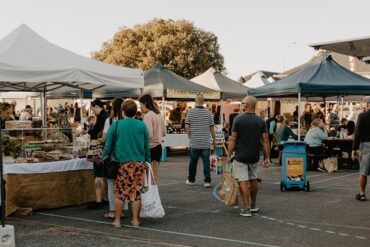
(315, 136)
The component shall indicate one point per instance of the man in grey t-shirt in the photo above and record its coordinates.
(248, 132)
(199, 125)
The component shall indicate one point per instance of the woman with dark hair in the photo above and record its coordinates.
(131, 149)
(116, 114)
(97, 108)
(350, 129)
(155, 123)
(6, 111)
(217, 116)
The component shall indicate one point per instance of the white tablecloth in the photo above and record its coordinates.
(176, 140)
(47, 167)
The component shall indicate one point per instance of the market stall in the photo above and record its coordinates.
(165, 85)
(48, 185)
(321, 77)
(30, 63)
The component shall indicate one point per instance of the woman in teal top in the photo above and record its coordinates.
(128, 139)
(284, 131)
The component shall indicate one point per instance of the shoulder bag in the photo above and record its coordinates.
(110, 167)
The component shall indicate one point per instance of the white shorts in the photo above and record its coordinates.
(245, 172)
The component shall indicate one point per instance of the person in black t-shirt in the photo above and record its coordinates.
(101, 115)
(248, 132)
(361, 148)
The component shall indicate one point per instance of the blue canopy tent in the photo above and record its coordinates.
(321, 77)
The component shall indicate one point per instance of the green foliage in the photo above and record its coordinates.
(179, 45)
(12, 147)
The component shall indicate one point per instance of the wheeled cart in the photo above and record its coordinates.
(294, 166)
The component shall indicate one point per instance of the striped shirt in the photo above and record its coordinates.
(200, 120)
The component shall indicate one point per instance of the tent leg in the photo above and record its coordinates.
(2, 190)
(342, 102)
(222, 113)
(44, 110)
(299, 114)
(163, 111)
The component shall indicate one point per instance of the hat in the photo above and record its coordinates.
(28, 107)
(367, 99)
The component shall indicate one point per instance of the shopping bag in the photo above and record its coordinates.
(151, 206)
(229, 187)
(330, 164)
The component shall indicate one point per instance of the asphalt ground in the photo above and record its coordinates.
(195, 216)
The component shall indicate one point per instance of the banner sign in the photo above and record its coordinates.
(189, 94)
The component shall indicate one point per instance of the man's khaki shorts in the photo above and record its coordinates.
(245, 172)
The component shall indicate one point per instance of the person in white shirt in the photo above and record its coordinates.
(26, 114)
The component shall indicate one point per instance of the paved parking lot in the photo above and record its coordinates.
(196, 216)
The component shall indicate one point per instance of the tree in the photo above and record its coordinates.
(179, 45)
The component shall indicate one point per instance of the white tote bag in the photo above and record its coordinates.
(151, 206)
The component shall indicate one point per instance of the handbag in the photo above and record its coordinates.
(151, 206)
(111, 167)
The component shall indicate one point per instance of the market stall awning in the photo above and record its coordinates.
(215, 80)
(162, 82)
(28, 62)
(359, 47)
(320, 77)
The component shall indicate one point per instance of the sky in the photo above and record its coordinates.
(270, 35)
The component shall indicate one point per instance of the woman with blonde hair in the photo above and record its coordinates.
(314, 139)
(128, 139)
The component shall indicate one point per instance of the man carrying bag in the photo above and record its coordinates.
(248, 132)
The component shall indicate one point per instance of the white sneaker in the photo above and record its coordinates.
(207, 185)
(187, 182)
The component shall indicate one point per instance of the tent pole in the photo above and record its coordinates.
(2, 189)
(44, 102)
(163, 109)
(222, 114)
(299, 114)
(342, 102)
(80, 99)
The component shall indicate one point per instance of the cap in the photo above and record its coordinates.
(28, 107)
(367, 99)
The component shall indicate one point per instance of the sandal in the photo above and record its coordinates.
(109, 216)
(360, 197)
(116, 225)
(135, 225)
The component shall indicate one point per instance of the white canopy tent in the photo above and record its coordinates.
(28, 62)
(228, 88)
(216, 81)
(258, 79)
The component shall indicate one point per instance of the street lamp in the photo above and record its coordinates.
(286, 53)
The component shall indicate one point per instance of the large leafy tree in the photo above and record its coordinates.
(178, 45)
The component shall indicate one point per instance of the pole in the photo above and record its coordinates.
(2, 189)
(222, 113)
(163, 110)
(299, 114)
(44, 102)
(342, 102)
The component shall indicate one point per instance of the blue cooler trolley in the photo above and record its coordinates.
(294, 166)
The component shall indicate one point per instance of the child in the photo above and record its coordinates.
(90, 123)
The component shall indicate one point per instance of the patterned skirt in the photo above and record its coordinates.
(129, 181)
